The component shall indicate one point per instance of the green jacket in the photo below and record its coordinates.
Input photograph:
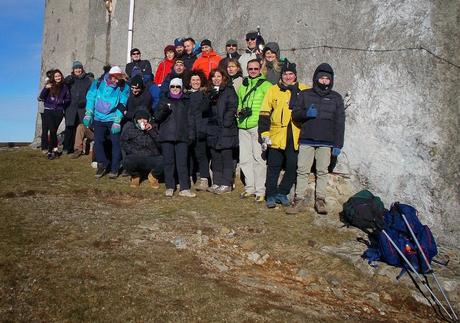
(253, 101)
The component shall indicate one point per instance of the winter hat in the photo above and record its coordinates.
(251, 34)
(115, 70)
(205, 42)
(273, 47)
(77, 64)
(176, 81)
(169, 48)
(141, 114)
(134, 50)
(322, 73)
(179, 61)
(137, 81)
(179, 42)
(289, 67)
(231, 42)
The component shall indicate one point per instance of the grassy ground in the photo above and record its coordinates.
(73, 248)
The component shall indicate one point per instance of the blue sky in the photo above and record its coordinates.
(21, 23)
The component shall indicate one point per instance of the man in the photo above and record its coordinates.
(231, 48)
(178, 71)
(322, 116)
(142, 154)
(280, 136)
(189, 56)
(250, 53)
(179, 44)
(104, 102)
(79, 83)
(143, 65)
(250, 97)
(139, 98)
(208, 60)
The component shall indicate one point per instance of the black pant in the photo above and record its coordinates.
(69, 138)
(44, 136)
(199, 160)
(275, 161)
(52, 119)
(142, 165)
(175, 158)
(222, 166)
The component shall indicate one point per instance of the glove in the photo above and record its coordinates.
(266, 142)
(116, 128)
(87, 120)
(336, 151)
(312, 112)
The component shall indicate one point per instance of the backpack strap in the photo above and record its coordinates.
(246, 96)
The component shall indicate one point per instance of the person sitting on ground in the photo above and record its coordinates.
(79, 83)
(271, 62)
(105, 102)
(321, 113)
(178, 71)
(165, 66)
(175, 131)
(142, 64)
(80, 135)
(56, 97)
(142, 156)
(208, 60)
(280, 135)
(231, 50)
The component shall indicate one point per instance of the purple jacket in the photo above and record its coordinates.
(55, 103)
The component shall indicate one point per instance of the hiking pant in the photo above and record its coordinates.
(307, 154)
(101, 129)
(82, 133)
(199, 160)
(44, 136)
(52, 119)
(142, 165)
(175, 158)
(251, 162)
(222, 166)
(275, 160)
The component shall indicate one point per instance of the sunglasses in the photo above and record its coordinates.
(136, 54)
(253, 69)
(175, 87)
(248, 39)
(231, 45)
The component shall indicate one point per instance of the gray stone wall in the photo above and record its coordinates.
(402, 137)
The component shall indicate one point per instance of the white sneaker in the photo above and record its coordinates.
(94, 165)
(213, 188)
(169, 192)
(223, 189)
(187, 193)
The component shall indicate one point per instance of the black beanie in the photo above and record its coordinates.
(141, 114)
(137, 81)
(289, 67)
(205, 42)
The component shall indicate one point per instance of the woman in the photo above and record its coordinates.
(165, 66)
(222, 131)
(175, 131)
(235, 73)
(199, 160)
(55, 96)
(271, 62)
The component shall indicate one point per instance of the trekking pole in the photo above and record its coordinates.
(430, 269)
(416, 273)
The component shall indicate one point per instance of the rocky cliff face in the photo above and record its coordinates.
(400, 61)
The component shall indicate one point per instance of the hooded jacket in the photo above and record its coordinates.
(79, 86)
(164, 88)
(206, 62)
(137, 142)
(328, 127)
(56, 103)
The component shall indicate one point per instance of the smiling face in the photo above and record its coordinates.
(57, 77)
(170, 55)
(175, 89)
(217, 79)
(253, 69)
(135, 90)
(136, 56)
(251, 42)
(179, 67)
(195, 82)
(189, 45)
(179, 49)
(288, 78)
(206, 49)
(270, 56)
(77, 71)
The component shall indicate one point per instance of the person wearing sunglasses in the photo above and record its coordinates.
(142, 64)
(175, 132)
(250, 52)
(231, 50)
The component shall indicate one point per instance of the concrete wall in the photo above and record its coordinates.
(402, 137)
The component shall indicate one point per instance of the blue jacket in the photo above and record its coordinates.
(105, 102)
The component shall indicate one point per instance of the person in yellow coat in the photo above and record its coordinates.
(280, 135)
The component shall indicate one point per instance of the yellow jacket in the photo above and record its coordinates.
(276, 107)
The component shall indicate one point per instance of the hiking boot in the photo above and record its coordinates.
(213, 188)
(124, 173)
(297, 206)
(223, 189)
(320, 206)
(282, 199)
(246, 195)
(271, 202)
(153, 181)
(187, 193)
(135, 181)
(169, 192)
(259, 198)
(76, 153)
(203, 185)
(101, 171)
(113, 175)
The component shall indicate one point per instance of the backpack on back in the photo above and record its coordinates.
(364, 211)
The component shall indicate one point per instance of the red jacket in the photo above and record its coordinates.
(163, 69)
(207, 62)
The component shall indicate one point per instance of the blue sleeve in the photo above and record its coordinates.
(155, 93)
(91, 98)
(124, 95)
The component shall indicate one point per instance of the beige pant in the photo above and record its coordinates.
(307, 154)
(251, 163)
(82, 133)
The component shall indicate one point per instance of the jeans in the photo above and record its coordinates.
(101, 129)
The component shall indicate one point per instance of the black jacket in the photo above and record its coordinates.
(165, 84)
(144, 66)
(224, 61)
(137, 142)
(143, 101)
(199, 103)
(222, 130)
(79, 86)
(175, 120)
(329, 125)
(189, 59)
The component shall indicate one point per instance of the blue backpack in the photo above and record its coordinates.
(398, 231)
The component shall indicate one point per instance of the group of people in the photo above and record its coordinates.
(199, 116)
